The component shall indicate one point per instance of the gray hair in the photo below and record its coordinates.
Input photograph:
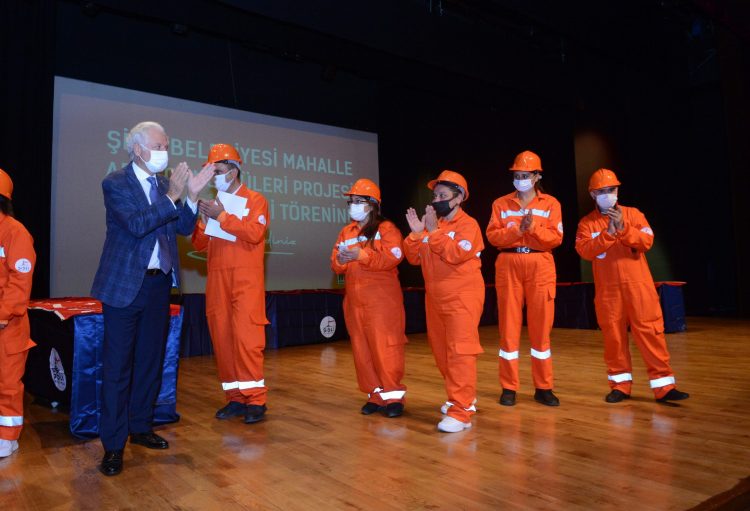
(139, 135)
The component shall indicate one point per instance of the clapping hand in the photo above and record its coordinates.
(197, 182)
(430, 219)
(527, 222)
(615, 218)
(177, 181)
(211, 209)
(416, 224)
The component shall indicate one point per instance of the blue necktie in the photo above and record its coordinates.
(165, 260)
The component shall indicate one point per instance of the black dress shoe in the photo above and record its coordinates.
(111, 463)
(370, 408)
(616, 396)
(232, 409)
(394, 410)
(673, 395)
(508, 397)
(150, 440)
(255, 413)
(546, 397)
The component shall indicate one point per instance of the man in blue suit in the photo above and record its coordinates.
(138, 267)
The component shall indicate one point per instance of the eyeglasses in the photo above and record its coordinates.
(357, 201)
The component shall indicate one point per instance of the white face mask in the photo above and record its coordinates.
(357, 212)
(523, 185)
(606, 200)
(221, 183)
(158, 161)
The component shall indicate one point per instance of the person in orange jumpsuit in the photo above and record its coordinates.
(235, 291)
(615, 239)
(447, 244)
(17, 259)
(367, 252)
(525, 226)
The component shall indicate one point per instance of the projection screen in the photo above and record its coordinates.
(301, 168)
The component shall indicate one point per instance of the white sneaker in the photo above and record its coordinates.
(451, 425)
(8, 447)
(448, 404)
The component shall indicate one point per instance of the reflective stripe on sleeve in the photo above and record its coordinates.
(11, 421)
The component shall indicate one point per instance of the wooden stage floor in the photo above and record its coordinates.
(316, 451)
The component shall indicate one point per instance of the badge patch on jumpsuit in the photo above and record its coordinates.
(23, 265)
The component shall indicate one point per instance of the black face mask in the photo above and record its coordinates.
(443, 208)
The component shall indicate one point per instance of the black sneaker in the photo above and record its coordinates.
(508, 397)
(255, 413)
(393, 410)
(616, 396)
(546, 397)
(369, 408)
(232, 409)
(673, 395)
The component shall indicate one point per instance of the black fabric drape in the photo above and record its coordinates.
(27, 30)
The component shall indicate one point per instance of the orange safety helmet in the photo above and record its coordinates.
(603, 178)
(6, 185)
(527, 161)
(222, 152)
(454, 178)
(366, 188)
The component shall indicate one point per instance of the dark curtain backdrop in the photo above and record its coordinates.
(27, 57)
(441, 92)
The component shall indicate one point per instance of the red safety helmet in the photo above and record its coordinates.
(223, 152)
(603, 178)
(450, 177)
(366, 188)
(6, 185)
(527, 161)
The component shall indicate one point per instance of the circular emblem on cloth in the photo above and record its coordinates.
(23, 265)
(56, 370)
(465, 245)
(559, 226)
(328, 327)
(262, 219)
(602, 255)
(396, 252)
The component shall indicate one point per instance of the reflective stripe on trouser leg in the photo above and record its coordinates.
(11, 394)
(647, 327)
(540, 289)
(610, 314)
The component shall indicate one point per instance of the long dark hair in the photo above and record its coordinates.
(6, 206)
(538, 185)
(374, 219)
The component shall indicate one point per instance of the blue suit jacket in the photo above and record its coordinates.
(132, 229)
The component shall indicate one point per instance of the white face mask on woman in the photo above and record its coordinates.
(357, 212)
(606, 200)
(523, 185)
(158, 161)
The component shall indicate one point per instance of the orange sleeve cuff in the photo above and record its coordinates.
(416, 235)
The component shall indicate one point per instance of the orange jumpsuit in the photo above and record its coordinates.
(528, 277)
(374, 311)
(17, 259)
(454, 300)
(626, 296)
(236, 299)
